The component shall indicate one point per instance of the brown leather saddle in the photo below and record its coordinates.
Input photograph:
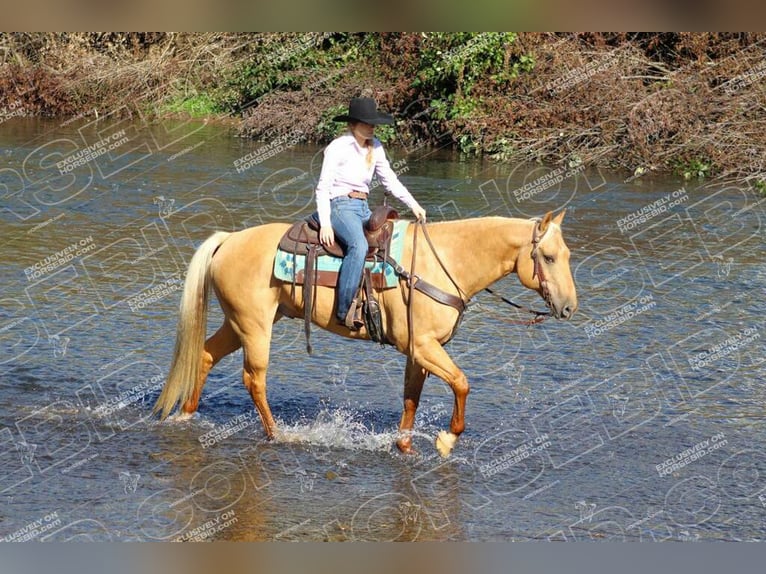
(302, 238)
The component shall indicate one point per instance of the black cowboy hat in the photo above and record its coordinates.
(364, 110)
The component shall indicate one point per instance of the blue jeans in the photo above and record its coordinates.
(348, 217)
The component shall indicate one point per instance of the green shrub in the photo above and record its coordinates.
(693, 168)
(286, 62)
(196, 106)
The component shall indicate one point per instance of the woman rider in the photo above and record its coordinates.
(349, 163)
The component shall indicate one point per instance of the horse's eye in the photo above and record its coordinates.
(548, 259)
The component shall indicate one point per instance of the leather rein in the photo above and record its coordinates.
(539, 316)
(460, 302)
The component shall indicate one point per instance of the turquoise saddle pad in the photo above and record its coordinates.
(287, 264)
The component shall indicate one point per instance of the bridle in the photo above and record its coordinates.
(540, 316)
(460, 301)
(538, 270)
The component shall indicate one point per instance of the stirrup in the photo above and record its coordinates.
(353, 319)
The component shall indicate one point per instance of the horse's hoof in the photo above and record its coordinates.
(445, 442)
(405, 447)
(181, 416)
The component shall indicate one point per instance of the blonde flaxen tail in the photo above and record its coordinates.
(192, 324)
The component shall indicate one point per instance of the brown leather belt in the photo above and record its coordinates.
(357, 195)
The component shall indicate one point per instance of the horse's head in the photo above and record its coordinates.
(544, 267)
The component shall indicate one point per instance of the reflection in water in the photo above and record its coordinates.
(238, 494)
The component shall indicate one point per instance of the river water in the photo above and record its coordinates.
(640, 419)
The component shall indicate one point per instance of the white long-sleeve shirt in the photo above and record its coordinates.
(344, 169)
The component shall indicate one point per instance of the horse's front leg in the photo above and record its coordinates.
(414, 377)
(435, 359)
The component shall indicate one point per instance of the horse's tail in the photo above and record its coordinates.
(192, 325)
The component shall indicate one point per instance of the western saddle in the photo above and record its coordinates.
(302, 238)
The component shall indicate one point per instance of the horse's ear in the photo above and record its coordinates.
(559, 218)
(544, 223)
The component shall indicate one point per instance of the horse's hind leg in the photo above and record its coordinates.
(224, 342)
(256, 363)
(414, 377)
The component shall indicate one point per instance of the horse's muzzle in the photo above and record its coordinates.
(562, 309)
(566, 311)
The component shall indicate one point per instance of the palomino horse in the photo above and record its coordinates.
(461, 258)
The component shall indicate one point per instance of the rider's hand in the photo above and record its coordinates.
(419, 213)
(326, 235)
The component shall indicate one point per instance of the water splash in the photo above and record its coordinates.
(336, 428)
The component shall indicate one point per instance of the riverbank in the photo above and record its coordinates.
(684, 103)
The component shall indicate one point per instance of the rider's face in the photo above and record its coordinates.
(362, 131)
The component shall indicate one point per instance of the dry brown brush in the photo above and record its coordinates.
(691, 103)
